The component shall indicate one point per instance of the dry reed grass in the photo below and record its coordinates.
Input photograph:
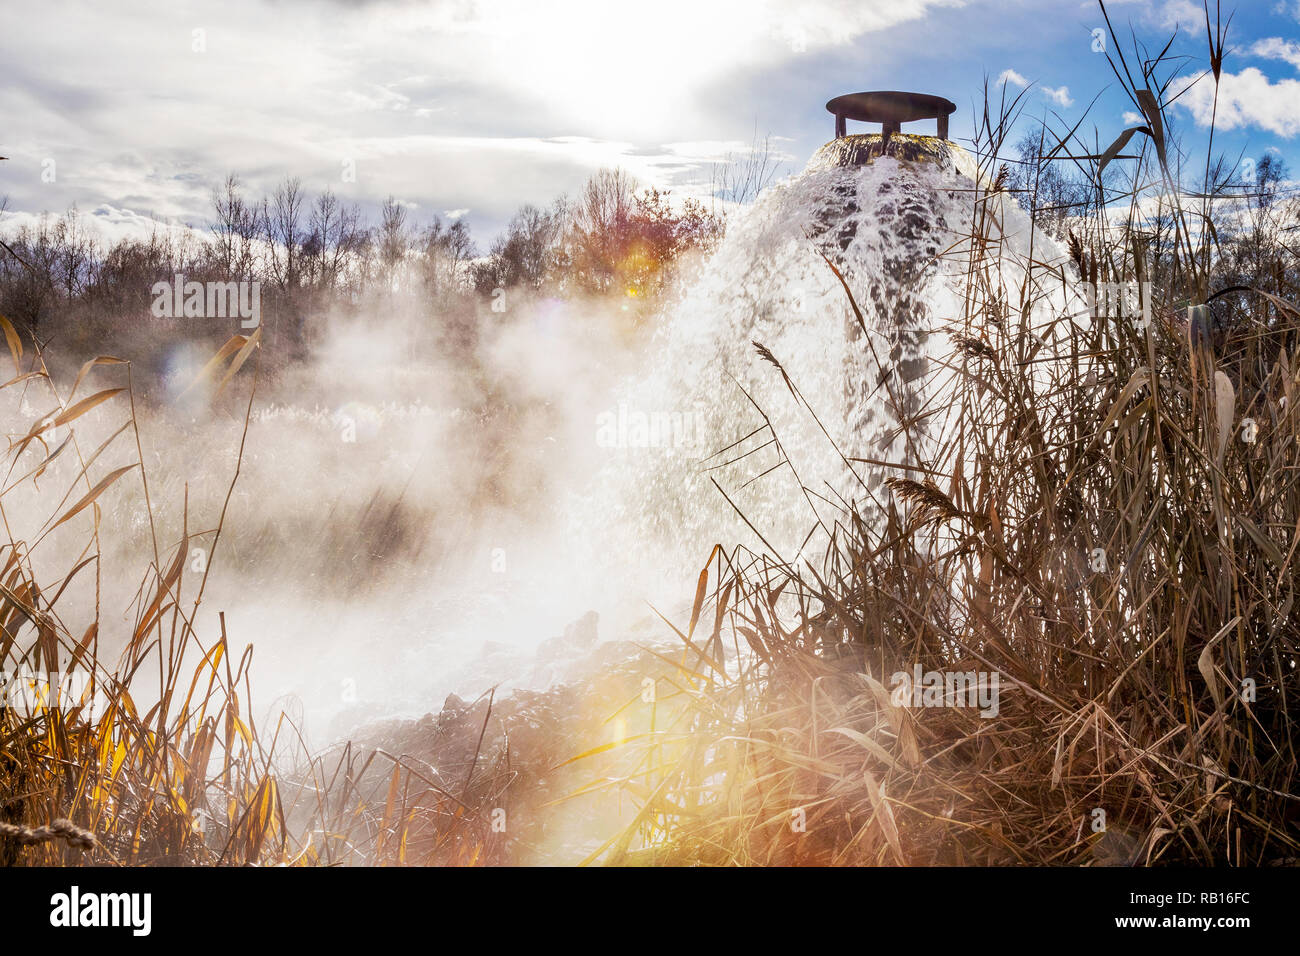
(1123, 677)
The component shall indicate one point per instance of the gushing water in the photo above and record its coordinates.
(876, 392)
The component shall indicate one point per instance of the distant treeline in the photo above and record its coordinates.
(1254, 212)
(314, 252)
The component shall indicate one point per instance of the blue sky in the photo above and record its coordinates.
(472, 107)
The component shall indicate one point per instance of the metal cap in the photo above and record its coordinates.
(890, 108)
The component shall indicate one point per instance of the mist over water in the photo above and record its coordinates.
(411, 522)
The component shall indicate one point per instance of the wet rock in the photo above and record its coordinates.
(577, 638)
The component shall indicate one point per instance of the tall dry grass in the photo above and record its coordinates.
(1111, 526)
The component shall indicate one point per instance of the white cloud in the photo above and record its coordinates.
(603, 61)
(1133, 119)
(1248, 98)
(1060, 95)
(108, 224)
(455, 213)
(1011, 76)
(1291, 9)
(1275, 48)
(137, 118)
(1183, 14)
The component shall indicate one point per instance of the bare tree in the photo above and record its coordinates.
(740, 177)
(235, 229)
(334, 238)
(393, 240)
(76, 255)
(446, 250)
(284, 232)
(1044, 188)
